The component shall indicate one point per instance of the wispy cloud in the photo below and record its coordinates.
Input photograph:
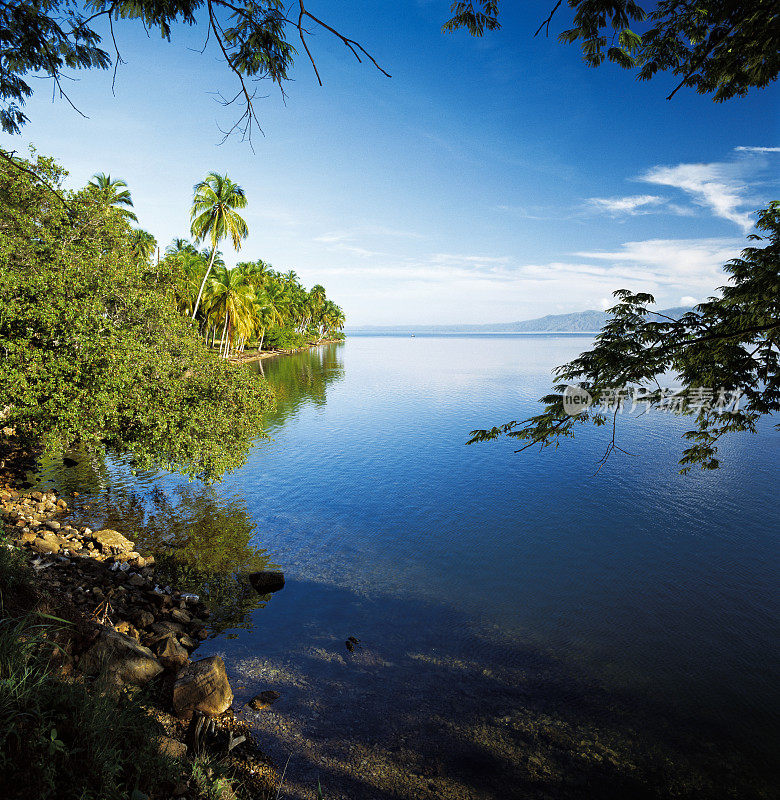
(743, 149)
(632, 205)
(502, 288)
(715, 186)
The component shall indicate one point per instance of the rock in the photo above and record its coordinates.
(45, 548)
(143, 619)
(122, 659)
(202, 686)
(127, 629)
(52, 525)
(264, 699)
(266, 581)
(172, 748)
(164, 627)
(187, 641)
(36, 496)
(137, 580)
(181, 616)
(112, 541)
(171, 653)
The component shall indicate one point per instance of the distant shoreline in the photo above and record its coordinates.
(393, 332)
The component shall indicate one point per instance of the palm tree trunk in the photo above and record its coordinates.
(203, 284)
(222, 344)
(262, 336)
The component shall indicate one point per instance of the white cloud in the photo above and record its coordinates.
(499, 288)
(688, 301)
(670, 262)
(635, 204)
(757, 149)
(715, 186)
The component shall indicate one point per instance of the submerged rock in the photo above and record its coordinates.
(264, 700)
(203, 686)
(266, 581)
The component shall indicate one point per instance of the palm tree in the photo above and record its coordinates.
(143, 245)
(230, 298)
(115, 193)
(180, 245)
(214, 218)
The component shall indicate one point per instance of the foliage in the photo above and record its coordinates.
(728, 344)
(251, 302)
(45, 37)
(719, 47)
(115, 193)
(280, 338)
(95, 353)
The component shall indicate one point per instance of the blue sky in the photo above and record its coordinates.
(486, 181)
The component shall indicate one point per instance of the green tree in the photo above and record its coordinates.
(115, 193)
(107, 361)
(214, 217)
(231, 298)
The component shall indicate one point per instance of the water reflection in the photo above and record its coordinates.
(302, 379)
(203, 540)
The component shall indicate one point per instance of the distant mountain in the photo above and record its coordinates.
(578, 322)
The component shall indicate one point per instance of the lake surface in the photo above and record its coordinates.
(529, 626)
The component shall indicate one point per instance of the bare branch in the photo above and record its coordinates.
(547, 22)
(350, 43)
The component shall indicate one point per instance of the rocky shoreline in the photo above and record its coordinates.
(125, 631)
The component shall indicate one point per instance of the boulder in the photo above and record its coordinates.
(45, 547)
(266, 581)
(121, 658)
(143, 619)
(181, 616)
(202, 686)
(112, 541)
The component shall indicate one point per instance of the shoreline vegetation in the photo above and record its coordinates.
(109, 348)
(91, 626)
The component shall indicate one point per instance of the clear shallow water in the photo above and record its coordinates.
(501, 600)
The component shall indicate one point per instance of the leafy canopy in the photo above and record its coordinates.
(718, 47)
(47, 37)
(95, 353)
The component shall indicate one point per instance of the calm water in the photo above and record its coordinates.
(527, 626)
